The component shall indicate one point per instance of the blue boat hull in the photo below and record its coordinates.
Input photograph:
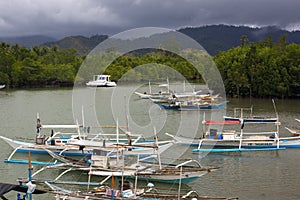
(235, 150)
(192, 107)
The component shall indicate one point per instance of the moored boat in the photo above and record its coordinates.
(101, 81)
(240, 115)
(192, 105)
(239, 141)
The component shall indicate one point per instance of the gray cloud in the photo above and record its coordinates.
(70, 17)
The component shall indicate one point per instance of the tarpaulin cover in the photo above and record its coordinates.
(6, 187)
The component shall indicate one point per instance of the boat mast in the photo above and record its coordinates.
(117, 135)
(150, 92)
(277, 123)
(179, 187)
(168, 85)
(123, 160)
(136, 174)
(156, 147)
(126, 114)
(83, 124)
(29, 175)
(241, 134)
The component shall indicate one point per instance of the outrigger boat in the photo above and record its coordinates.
(86, 149)
(160, 173)
(100, 165)
(193, 105)
(251, 118)
(128, 192)
(170, 95)
(77, 144)
(233, 141)
(159, 95)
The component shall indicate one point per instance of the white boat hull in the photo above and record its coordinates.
(287, 142)
(185, 177)
(73, 150)
(101, 84)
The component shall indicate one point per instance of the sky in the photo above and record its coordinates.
(60, 18)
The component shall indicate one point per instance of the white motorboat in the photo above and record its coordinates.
(101, 81)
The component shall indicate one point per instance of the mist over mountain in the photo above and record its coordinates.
(28, 41)
(214, 38)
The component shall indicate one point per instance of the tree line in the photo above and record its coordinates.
(261, 69)
(38, 66)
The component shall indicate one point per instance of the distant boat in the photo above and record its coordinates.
(190, 105)
(2, 86)
(101, 81)
(249, 119)
(252, 119)
(160, 95)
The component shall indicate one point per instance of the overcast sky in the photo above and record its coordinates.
(59, 18)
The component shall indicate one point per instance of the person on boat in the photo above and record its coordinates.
(38, 126)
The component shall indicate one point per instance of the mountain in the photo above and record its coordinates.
(82, 44)
(216, 38)
(28, 41)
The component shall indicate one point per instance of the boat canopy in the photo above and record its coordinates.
(219, 122)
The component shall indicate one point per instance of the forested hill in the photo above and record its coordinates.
(214, 38)
(261, 69)
(83, 45)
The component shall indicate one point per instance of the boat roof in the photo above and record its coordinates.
(219, 122)
(102, 75)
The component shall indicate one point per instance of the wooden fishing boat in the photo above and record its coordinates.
(232, 141)
(239, 141)
(192, 105)
(83, 144)
(142, 149)
(150, 192)
(240, 115)
(100, 165)
(253, 119)
(158, 95)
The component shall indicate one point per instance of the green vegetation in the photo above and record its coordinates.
(39, 66)
(260, 69)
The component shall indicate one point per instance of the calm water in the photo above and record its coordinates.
(264, 175)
